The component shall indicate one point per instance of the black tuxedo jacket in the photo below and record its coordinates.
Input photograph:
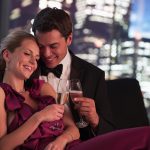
(93, 85)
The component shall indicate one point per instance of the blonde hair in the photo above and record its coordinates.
(11, 42)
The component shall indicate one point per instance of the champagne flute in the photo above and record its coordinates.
(62, 91)
(76, 91)
(62, 94)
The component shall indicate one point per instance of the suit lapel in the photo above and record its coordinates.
(77, 69)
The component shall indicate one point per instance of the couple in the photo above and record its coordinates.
(30, 113)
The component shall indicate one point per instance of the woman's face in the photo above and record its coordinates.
(23, 61)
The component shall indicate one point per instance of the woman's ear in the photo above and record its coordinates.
(6, 55)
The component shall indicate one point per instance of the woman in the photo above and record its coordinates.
(30, 118)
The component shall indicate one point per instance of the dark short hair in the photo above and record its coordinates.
(53, 18)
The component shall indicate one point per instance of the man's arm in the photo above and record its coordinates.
(103, 108)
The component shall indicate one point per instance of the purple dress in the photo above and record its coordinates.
(46, 131)
(127, 139)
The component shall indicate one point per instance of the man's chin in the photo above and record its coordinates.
(51, 65)
(25, 78)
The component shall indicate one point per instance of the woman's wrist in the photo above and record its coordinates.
(37, 117)
(66, 138)
(69, 137)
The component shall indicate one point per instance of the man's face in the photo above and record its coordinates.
(53, 47)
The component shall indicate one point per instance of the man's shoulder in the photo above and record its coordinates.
(87, 65)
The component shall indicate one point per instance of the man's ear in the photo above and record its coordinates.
(6, 55)
(69, 39)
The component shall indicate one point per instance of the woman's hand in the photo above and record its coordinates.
(58, 144)
(51, 113)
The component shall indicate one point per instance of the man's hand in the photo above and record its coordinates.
(87, 108)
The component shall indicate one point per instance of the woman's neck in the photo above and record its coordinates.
(16, 83)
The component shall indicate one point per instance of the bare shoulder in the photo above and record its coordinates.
(47, 89)
(2, 93)
(3, 114)
(2, 97)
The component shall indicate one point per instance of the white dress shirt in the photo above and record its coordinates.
(52, 79)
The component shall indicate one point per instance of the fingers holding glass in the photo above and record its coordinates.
(75, 92)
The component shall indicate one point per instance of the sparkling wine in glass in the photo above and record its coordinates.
(62, 91)
(76, 91)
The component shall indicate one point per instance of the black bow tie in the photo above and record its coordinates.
(57, 71)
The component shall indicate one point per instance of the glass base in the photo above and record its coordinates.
(82, 124)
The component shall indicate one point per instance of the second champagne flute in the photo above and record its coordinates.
(76, 91)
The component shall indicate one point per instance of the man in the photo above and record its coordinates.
(53, 29)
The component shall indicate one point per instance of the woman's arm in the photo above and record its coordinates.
(17, 137)
(3, 115)
(71, 131)
(70, 134)
(9, 141)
